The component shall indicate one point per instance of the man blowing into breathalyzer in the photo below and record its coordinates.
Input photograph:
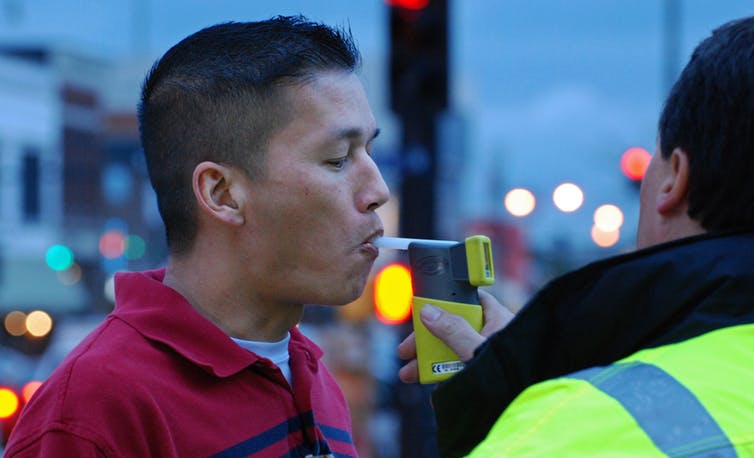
(258, 141)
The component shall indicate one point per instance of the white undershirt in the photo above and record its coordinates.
(277, 352)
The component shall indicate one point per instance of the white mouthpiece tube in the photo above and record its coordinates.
(400, 243)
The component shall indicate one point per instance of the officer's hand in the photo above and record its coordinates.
(455, 332)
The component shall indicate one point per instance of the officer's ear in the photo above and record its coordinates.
(674, 186)
(217, 189)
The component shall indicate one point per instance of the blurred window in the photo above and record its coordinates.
(30, 178)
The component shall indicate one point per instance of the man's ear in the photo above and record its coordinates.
(218, 192)
(675, 184)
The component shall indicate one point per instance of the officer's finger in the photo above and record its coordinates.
(496, 315)
(409, 373)
(407, 348)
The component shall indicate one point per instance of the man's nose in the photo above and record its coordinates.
(375, 191)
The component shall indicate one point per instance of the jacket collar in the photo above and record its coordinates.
(658, 295)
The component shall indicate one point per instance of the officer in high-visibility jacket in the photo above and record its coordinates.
(692, 398)
(650, 353)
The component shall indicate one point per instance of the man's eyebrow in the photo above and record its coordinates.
(356, 133)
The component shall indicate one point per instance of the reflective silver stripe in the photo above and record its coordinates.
(667, 411)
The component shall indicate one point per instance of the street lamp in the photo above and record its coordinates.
(520, 202)
(568, 197)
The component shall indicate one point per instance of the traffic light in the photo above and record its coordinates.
(409, 4)
(418, 56)
(418, 94)
(393, 294)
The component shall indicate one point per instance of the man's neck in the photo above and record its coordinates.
(217, 293)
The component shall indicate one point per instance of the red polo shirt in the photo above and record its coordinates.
(158, 379)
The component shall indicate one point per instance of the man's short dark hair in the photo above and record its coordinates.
(219, 95)
(710, 115)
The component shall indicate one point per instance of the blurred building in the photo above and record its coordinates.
(31, 188)
(72, 177)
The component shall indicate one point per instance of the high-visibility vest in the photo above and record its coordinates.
(689, 399)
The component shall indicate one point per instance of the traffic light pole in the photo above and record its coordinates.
(419, 93)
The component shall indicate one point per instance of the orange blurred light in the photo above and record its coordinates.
(8, 403)
(29, 389)
(38, 323)
(393, 293)
(605, 239)
(112, 244)
(15, 323)
(608, 218)
(634, 163)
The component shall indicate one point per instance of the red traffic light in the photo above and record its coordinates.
(634, 163)
(409, 4)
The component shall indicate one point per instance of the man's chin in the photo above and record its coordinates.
(349, 296)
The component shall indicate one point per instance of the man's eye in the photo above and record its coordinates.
(338, 163)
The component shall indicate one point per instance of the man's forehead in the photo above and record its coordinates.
(335, 100)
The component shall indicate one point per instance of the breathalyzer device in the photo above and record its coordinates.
(445, 274)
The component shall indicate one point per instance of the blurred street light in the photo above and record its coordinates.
(70, 276)
(59, 257)
(634, 163)
(608, 218)
(112, 244)
(8, 403)
(29, 389)
(38, 323)
(605, 239)
(135, 247)
(520, 202)
(568, 197)
(15, 323)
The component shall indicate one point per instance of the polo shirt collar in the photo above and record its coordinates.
(163, 315)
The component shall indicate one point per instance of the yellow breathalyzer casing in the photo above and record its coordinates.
(446, 275)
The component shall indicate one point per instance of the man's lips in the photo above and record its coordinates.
(368, 244)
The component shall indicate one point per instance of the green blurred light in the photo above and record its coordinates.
(59, 257)
(135, 247)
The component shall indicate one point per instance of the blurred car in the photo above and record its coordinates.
(21, 375)
(16, 373)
